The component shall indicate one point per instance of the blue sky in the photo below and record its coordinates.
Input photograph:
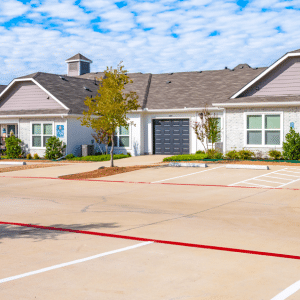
(148, 36)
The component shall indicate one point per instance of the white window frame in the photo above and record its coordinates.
(263, 130)
(42, 132)
(118, 135)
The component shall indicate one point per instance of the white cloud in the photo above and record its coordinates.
(246, 36)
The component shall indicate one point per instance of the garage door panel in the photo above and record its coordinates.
(171, 136)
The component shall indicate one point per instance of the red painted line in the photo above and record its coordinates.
(126, 237)
(161, 183)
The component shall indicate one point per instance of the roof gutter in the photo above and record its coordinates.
(257, 104)
(146, 110)
(32, 116)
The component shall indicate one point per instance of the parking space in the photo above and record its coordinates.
(182, 240)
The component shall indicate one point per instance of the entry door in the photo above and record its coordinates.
(171, 136)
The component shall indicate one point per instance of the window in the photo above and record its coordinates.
(263, 129)
(122, 137)
(41, 133)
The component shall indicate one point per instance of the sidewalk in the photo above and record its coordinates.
(73, 168)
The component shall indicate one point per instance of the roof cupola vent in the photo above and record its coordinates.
(78, 65)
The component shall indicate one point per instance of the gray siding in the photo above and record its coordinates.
(27, 96)
(284, 80)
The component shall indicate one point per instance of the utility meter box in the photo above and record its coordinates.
(87, 150)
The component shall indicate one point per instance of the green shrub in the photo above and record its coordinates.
(28, 156)
(245, 154)
(13, 147)
(291, 148)
(233, 154)
(200, 152)
(104, 157)
(186, 157)
(275, 154)
(36, 156)
(69, 156)
(54, 148)
(214, 154)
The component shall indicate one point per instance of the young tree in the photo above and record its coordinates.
(207, 130)
(291, 146)
(102, 137)
(108, 109)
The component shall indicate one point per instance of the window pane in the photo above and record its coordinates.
(254, 138)
(115, 141)
(272, 122)
(48, 129)
(124, 141)
(36, 128)
(11, 128)
(45, 139)
(36, 141)
(124, 131)
(272, 137)
(254, 122)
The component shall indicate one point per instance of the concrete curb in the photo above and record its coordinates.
(172, 164)
(13, 163)
(251, 167)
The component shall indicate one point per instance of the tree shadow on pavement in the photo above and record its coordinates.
(16, 232)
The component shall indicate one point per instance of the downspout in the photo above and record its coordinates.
(143, 117)
(224, 130)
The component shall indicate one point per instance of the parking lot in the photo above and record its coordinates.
(157, 233)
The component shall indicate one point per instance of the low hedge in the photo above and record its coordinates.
(105, 157)
(186, 157)
(191, 157)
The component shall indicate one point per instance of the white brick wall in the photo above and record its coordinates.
(235, 126)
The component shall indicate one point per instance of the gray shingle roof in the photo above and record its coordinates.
(2, 88)
(295, 51)
(194, 89)
(78, 56)
(34, 112)
(71, 92)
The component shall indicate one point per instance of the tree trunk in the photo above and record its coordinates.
(106, 148)
(112, 151)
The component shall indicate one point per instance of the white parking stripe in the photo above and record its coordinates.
(72, 262)
(268, 181)
(267, 186)
(288, 291)
(289, 182)
(187, 174)
(255, 177)
(288, 175)
(277, 177)
(292, 172)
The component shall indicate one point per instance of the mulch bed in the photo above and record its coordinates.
(104, 172)
(243, 162)
(26, 167)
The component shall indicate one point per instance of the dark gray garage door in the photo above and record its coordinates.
(171, 136)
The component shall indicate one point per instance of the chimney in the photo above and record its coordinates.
(78, 65)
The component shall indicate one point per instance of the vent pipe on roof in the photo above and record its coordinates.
(168, 81)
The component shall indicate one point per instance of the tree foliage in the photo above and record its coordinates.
(291, 146)
(54, 148)
(108, 109)
(102, 137)
(13, 147)
(207, 130)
